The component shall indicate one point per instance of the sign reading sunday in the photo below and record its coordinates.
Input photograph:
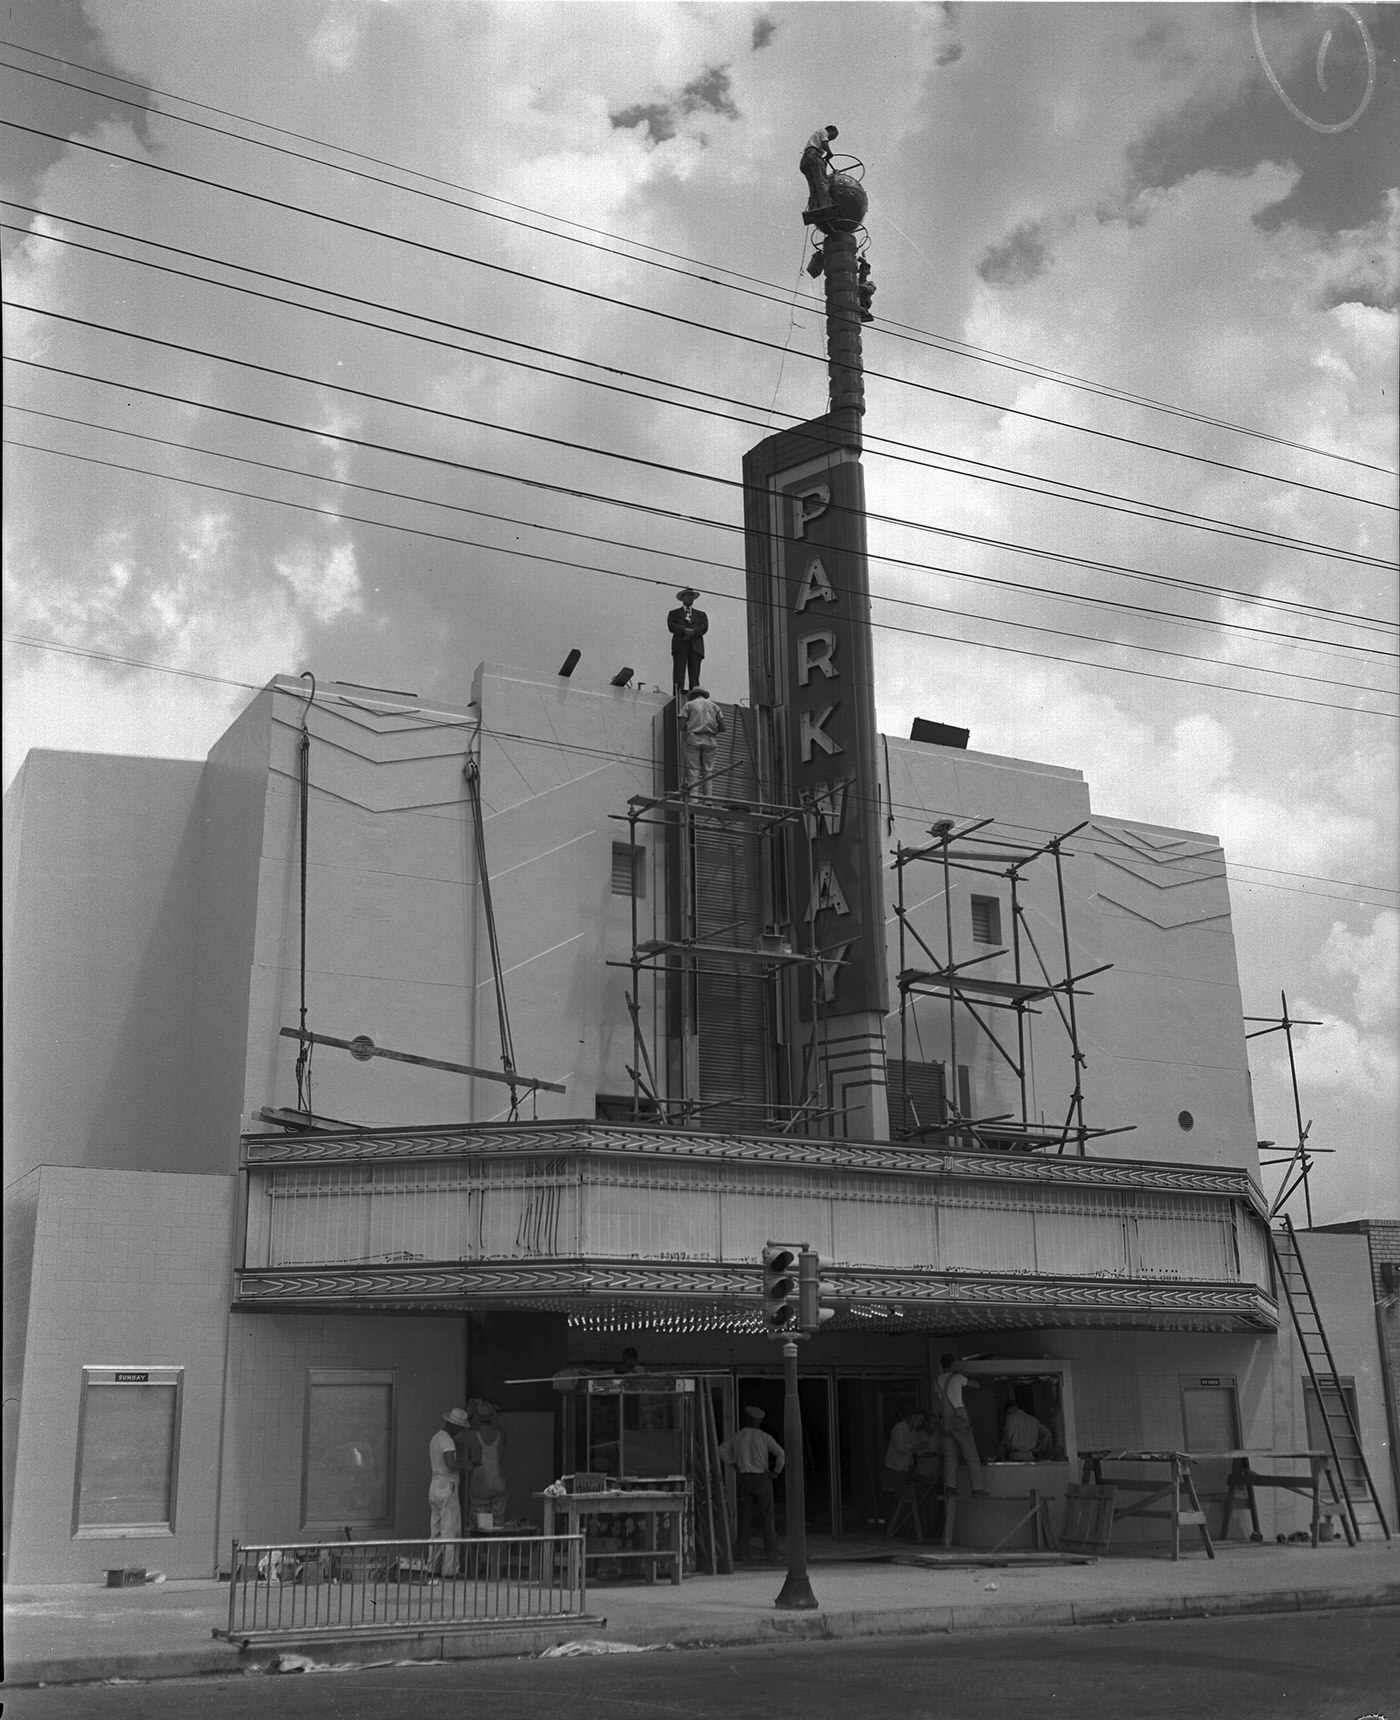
(831, 741)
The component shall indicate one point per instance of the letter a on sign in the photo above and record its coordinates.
(814, 584)
(827, 892)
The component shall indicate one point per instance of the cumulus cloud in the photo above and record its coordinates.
(1370, 962)
(709, 92)
(1018, 258)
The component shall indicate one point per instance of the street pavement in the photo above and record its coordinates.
(77, 1633)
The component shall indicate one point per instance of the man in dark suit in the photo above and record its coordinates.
(688, 626)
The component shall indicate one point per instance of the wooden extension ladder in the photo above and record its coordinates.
(1351, 1473)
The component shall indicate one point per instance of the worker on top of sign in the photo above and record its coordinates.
(702, 723)
(815, 166)
(688, 626)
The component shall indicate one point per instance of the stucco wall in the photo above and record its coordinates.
(130, 1269)
(105, 924)
(1339, 1270)
(558, 765)
(396, 943)
(1160, 1031)
(269, 1359)
(21, 1215)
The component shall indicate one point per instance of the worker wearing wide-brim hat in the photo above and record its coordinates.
(688, 626)
(444, 1502)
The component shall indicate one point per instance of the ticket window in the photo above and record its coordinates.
(1042, 1391)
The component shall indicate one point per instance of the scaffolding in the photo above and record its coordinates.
(762, 952)
(964, 849)
(1298, 1162)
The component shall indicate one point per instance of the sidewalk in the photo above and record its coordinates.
(71, 1634)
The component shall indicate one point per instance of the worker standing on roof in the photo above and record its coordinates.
(688, 627)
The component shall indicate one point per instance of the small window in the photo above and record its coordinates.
(128, 1451)
(348, 1468)
(917, 1095)
(986, 920)
(629, 874)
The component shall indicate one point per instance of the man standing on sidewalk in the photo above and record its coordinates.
(444, 1505)
(756, 1458)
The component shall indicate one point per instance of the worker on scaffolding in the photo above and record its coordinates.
(702, 723)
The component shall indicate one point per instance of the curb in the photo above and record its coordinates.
(819, 1626)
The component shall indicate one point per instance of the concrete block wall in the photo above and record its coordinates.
(129, 1269)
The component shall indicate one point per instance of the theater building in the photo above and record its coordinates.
(239, 1296)
(400, 1053)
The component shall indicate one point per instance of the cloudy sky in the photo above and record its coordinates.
(385, 336)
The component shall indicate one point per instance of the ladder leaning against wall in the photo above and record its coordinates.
(1349, 1467)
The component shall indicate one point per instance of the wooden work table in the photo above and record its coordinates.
(1311, 1468)
(657, 1507)
(1184, 1509)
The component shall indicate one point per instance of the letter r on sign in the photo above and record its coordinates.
(816, 651)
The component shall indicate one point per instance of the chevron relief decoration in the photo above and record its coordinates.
(1169, 880)
(379, 762)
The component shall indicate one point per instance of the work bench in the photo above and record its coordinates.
(657, 1508)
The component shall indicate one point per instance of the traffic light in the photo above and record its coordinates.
(865, 291)
(811, 1315)
(780, 1289)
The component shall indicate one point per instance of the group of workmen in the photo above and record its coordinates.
(701, 719)
(467, 1459)
(927, 1447)
(924, 1449)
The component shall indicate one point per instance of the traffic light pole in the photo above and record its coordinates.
(796, 1593)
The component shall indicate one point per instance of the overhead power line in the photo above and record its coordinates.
(618, 756)
(774, 293)
(536, 279)
(1131, 506)
(885, 626)
(1035, 551)
(1342, 652)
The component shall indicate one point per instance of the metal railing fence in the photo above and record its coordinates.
(306, 1589)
